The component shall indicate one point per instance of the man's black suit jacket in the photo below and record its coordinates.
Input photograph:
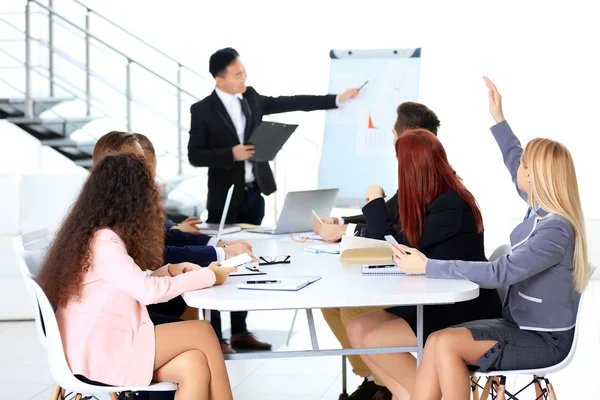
(361, 222)
(212, 136)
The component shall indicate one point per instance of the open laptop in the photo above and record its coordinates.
(221, 229)
(297, 215)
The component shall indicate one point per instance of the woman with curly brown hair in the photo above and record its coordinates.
(94, 274)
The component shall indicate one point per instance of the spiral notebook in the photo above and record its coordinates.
(390, 269)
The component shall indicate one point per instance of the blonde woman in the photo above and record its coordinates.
(546, 271)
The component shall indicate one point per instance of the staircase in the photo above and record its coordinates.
(66, 83)
(52, 132)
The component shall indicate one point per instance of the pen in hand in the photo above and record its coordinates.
(363, 85)
(317, 217)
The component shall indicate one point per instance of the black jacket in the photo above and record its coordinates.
(213, 135)
(361, 222)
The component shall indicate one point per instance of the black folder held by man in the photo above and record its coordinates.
(269, 138)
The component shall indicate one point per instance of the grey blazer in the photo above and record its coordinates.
(542, 296)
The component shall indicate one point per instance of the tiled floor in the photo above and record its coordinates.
(24, 373)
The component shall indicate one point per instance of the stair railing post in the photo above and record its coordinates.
(128, 94)
(51, 46)
(179, 125)
(28, 99)
(88, 69)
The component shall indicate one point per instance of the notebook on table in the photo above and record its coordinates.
(390, 269)
(291, 284)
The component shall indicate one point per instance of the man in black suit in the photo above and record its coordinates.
(221, 125)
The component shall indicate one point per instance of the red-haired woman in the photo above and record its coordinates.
(441, 218)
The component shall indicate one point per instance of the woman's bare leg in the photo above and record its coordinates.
(360, 330)
(201, 369)
(455, 348)
(400, 369)
(191, 371)
(427, 383)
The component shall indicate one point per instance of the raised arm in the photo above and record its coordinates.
(511, 151)
(379, 221)
(507, 141)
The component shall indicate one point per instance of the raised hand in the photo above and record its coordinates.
(495, 101)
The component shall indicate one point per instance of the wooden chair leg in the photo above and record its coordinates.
(474, 388)
(551, 392)
(78, 396)
(114, 396)
(55, 392)
(539, 392)
(487, 388)
(63, 393)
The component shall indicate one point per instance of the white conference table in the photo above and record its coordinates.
(342, 285)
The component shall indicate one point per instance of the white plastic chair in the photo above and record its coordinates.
(30, 250)
(496, 380)
(58, 363)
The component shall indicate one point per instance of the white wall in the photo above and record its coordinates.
(21, 153)
(542, 54)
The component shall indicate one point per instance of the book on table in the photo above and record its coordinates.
(356, 248)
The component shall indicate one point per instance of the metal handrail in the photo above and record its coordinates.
(70, 92)
(168, 182)
(130, 61)
(10, 24)
(81, 66)
(166, 152)
(128, 58)
(58, 116)
(162, 53)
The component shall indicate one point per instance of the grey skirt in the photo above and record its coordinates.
(518, 348)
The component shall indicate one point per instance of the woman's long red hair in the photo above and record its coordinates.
(423, 174)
